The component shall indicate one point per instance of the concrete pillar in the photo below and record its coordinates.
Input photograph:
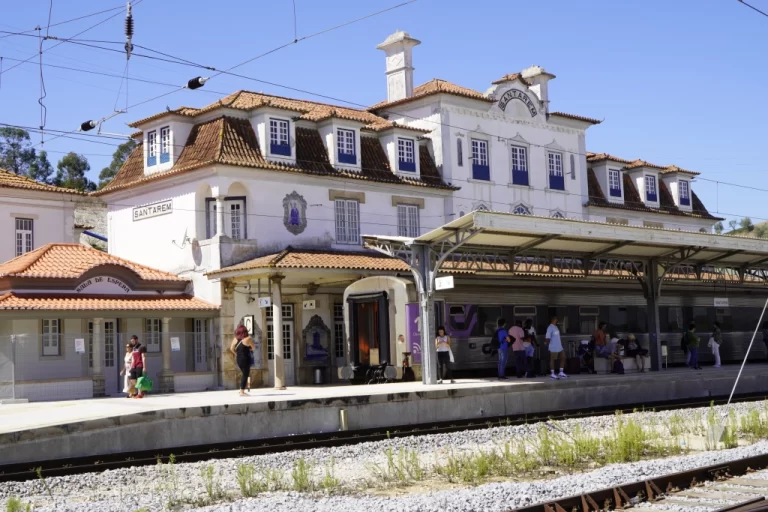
(653, 292)
(220, 215)
(166, 374)
(277, 331)
(99, 385)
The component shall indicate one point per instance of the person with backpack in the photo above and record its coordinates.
(692, 343)
(516, 335)
(501, 343)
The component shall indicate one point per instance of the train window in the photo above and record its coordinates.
(703, 318)
(617, 319)
(722, 312)
(487, 320)
(456, 311)
(525, 311)
(675, 319)
(589, 310)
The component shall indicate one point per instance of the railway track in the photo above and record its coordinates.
(735, 486)
(80, 465)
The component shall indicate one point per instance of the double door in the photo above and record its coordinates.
(112, 355)
(288, 346)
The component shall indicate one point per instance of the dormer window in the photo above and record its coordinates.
(556, 177)
(650, 189)
(165, 144)
(685, 193)
(151, 148)
(614, 182)
(481, 169)
(279, 139)
(406, 156)
(345, 142)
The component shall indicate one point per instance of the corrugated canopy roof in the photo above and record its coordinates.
(515, 233)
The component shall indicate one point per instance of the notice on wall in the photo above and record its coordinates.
(721, 302)
(175, 345)
(153, 210)
(80, 345)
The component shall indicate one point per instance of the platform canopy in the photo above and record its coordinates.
(524, 244)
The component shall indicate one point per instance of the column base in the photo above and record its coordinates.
(165, 384)
(99, 385)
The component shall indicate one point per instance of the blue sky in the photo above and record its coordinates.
(676, 82)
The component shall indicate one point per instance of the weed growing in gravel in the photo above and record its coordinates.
(329, 482)
(730, 434)
(15, 505)
(168, 482)
(627, 443)
(676, 425)
(246, 480)
(211, 482)
(399, 469)
(754, 426)
(586, 446)
(302, 476)
(39, 472)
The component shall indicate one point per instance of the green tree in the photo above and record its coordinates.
(41, 169)
(746, 224)
(71, 173)
(16, 151)
(118, 158)
(732, 224)
(719, 228)
(761, 230)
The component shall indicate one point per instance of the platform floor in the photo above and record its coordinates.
(35, 415)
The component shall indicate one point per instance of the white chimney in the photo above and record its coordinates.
(538, 78)
(399, 50)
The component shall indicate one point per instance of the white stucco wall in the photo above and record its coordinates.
(53, 217)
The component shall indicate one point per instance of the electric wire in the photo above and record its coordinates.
(742, 2)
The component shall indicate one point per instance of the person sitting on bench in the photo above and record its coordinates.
(634, 349)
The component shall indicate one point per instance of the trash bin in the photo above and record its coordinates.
(319, 375)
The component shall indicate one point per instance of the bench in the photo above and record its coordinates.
(603, 364)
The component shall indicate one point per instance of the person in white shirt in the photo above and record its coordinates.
(556, 351)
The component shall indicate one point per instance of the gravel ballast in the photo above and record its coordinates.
(116, 490)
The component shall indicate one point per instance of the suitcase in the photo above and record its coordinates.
(573, 366)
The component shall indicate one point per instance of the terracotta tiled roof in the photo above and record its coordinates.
(635, 164)
(633, 201)
(435, 86)
(17, 302)
(511, 78)
(387, 125)
(306, 259)
(10, 179)
(70, 261)
(83, 226)
(247, 101)
(575, 117)
(232, 141)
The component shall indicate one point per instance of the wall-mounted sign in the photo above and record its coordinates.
(80, 345)
(265, 302)
(444, 283)
(153, 210)
(102, 284)
(721, 302)
(248, 324)
(175, 345)
(309, 304)
(514, 94)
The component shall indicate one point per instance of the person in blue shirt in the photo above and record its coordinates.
(503, 338)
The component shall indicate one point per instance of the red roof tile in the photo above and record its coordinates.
(70, 261)
(511, 78)
(19, 302)
(435, 86)
(575, 117)
(10, 179)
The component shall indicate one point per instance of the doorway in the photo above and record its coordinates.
(369, 330)
(288, 345)
(112, 352)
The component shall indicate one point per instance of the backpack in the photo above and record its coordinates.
(618, 367)
(495, 344)
(408, 375)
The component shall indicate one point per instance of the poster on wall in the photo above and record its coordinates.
(248, 323)
(175, 345)
(80, 345)
(413, 332)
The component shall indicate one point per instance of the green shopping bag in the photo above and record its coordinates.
(144, 384)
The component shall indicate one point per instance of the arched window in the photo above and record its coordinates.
(557, 215)
(521, 209)
(459, 153)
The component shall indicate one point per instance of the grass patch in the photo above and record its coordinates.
(15, 505)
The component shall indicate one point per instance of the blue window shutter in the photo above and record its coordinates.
(615, 192)
(556, 182)
(519, 177)
(481, 172)
(407, 166)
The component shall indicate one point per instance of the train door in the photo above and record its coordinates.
(369, 330)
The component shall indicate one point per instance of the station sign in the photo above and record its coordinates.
(265, 302)
(153, 210)
(721, 302)
(444, 283)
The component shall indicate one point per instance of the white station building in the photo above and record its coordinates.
(260, 201)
